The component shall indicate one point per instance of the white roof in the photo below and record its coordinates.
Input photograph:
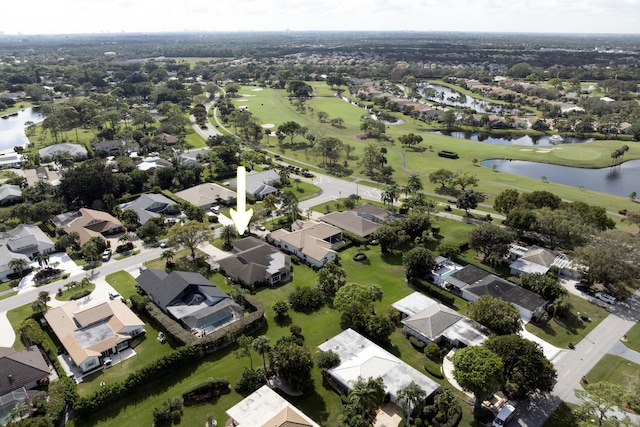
(360, 357)
(413, 304)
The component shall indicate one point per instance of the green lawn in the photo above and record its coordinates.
(633, 338)
(615, 370)
(561, 332)
(123, 283)
(16, 317)
(67, 294)
(563, 416)
(271, 106)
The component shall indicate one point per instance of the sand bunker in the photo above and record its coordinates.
(258, 89)
(268, 126)
(243, 100)
(245, 94)
(526, 149)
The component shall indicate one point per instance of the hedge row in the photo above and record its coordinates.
(110, 393)
(207, 386)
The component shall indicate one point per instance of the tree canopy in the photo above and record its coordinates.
(496, 314)
(479, 371)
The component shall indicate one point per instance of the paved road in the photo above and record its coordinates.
(577, 363)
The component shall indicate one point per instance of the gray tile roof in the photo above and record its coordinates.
(507, 291)
(19, 369)
(255, 261)
(148, 206)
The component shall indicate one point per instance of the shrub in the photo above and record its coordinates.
(250, 381)
(434, 369)
(432, 350)
(170, 411)
(80, 294)
(206, 391)
(359, 257)
(448, 154)
(280, 309)
(416, 343)
(124, 247)
(327, 359)
(306, 298)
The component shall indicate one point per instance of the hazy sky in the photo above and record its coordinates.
(93, 16)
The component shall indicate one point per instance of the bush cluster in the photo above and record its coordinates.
(169, 412)
(126, 247)
(306, 298)
(206, 391)
(250, 381)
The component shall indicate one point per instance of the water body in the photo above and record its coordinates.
(454, 98)
(12, 128)
(512, 140)
(619, 181)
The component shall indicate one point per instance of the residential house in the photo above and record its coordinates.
(191, 299)
(115, 146)
(168, 139)
(428, 321)
(360, 357)
(266, 408)
(11, 160)
(259, 184)
(373, 213)
(23, 242)
(311, 241)
(10, 194)
(151, 205)
(20, 371)
(88, 223)
(208, 194)
(255, 262)
(153, 162)
(77, 151)
(193, 156)
(472, 282)
(91, 335)
(534, 259)
(352, 222)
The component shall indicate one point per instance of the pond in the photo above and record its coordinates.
(447, 96)
(513, 139)
(12, 128)
(619, 181)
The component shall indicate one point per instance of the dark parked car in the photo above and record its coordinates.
(583, 287)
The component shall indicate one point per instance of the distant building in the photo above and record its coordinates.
(208, 194)
(10, 194)
(23, 242)
(21, 371)
(88, 223)
(77, 151)
(151, 205)
(259, 184)
(311, 241)
(115, 146)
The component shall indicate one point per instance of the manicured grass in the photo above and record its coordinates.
(123, 283)
(271, 106)
(66, 295)
(561, 332)
(633, 338)
(126, 254)
(16, 317)
(616, 370)
(8, 295)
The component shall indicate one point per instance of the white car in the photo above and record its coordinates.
(606, 298)
(504, 416)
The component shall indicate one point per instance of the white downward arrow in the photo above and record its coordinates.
(241, 217)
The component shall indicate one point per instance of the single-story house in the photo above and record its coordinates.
(153, 162)
(350, 221)
(20, 371)
(535, 259)
(373, 213)
(151, 205)
(259, 184)
(208, 194)
(459, 279)
(10, 194)
(76, 150)
(254, 262)
(191, 299)
(525, 301)
(428, 321)
(91, 335)
(360, 357)
(88, 223)
(311, 241)
(266, 408)
(23, 242)
(12, 160)
(115, 146)
(193, 156)
(168, 138)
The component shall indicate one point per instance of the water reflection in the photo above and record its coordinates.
(12, 128)
(512, 139)
(447, 96)
(619, 181)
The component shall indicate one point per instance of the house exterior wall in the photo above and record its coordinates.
(90, 363)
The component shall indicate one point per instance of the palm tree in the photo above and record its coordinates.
(262, 346)
(270, 203)
(228, 232)
(414, 184)
(18, 265)
(446, 403)
(390, 195)
(18, 411)
(366, 395)
(409, 396)
(43, 259)
(168, 255)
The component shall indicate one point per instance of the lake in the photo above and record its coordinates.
(619, 181)
(512, 140)
(447, 96)
(12, 128)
